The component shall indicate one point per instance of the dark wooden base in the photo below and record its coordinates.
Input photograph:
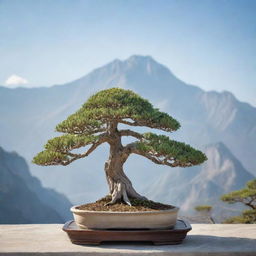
(157, 237)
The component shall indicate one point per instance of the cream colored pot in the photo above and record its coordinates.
(162, 219)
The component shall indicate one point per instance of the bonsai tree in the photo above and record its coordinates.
(246, 196)
(97, 122)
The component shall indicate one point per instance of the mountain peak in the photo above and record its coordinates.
(224, 167)
(220, 146)
(146, 64)
(134, 60)
(219, 153)
(140, 58)
(137, 69)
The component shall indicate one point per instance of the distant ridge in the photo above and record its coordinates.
(22, 198)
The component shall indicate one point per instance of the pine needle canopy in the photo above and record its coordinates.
(90, 126)
(116, 104)
(164, 151)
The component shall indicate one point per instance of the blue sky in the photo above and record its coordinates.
(211, 44)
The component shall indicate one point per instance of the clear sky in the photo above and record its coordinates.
(209, 43)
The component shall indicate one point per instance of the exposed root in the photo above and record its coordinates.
(125, 198)
(119, 193)
(122, 191)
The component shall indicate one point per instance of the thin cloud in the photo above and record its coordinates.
(15, 80)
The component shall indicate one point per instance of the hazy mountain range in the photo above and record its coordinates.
(23, 199)
(29, 116)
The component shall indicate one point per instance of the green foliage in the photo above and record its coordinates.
(116, 105)
(47, 157)
(57, 149)
(246, 196)
(247, 217)
(162, 146)
(80, 123)
(250, 216)
(203, 208)
(251, 185)
(69, 142)
(116, 98)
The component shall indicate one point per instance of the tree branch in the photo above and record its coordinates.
(138, 123)
(130, 133)
(156, 160)
(148, 123)
(131, 149)
(83, 132)
(101, 140)
(135, 123)
(250, 203)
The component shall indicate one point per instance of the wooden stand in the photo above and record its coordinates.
(157, 237)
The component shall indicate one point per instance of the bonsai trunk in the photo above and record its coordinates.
(120, 186)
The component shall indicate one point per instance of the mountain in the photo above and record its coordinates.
(28, 118)
(22, 198)
(203, 184)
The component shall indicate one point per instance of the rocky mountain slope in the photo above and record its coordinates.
(23, 199)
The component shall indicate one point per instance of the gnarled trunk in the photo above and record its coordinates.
(120, 187)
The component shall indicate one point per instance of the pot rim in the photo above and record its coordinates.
(74, 210)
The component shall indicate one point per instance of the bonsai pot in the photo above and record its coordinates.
(158, 219)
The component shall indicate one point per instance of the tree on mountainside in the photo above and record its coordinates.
(206, 212)
(96, 122)
(246, 196)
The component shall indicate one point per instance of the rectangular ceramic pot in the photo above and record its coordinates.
(162, 219)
